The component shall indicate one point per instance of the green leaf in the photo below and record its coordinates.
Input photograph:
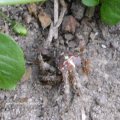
(110, 11)
(12, 64)
(14, 2)
(90, 3)
(19, 28)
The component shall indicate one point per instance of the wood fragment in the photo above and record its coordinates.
(56, 9)
(53, 27)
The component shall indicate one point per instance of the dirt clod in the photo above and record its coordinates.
(70, 24)
(100, 89)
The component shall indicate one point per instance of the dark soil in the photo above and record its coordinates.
(33, 100)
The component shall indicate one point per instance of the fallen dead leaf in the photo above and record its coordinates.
(70, 24)
(44, 19)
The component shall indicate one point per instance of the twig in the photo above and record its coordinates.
(53, 28)
(50, 37)
(56, 9)
(60, 18)
(62, 2)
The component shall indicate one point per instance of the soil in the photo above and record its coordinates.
(33, 100)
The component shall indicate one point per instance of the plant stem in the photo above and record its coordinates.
(90, 12)
(56, 9)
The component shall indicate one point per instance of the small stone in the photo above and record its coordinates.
(103, 46)
(27, 18)
(2, 96)
(92, 36)
(101, 100)
(71, 44)
(78, 10)
(79, 36)
(44, 51)
(114, 44)
(61, 41)
(69, 37)
(70, 24)
(96, 33)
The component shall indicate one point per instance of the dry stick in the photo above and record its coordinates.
(64, 8)
(60, 18)
(49, 38)
(56, 9)
(62, 2)
(54, 27)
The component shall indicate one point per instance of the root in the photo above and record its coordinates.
(53, 32)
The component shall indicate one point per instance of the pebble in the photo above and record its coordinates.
(92, 36)
(101, 100)
(77, 11)
(71, 44)
(2, 96)
(27, 18)
(114, 44)
(103, 46)
(68, 37)
(61, 40)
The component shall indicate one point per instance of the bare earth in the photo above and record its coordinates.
(100, 99)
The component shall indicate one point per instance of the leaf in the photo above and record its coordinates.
(12, 64)
(44, 19)
(14, 2)
(19, 28)
(110, 11)
(90, 3)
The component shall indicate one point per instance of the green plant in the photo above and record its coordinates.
(12, 64)
(109, 10)
(19, 28)
(14, 2)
